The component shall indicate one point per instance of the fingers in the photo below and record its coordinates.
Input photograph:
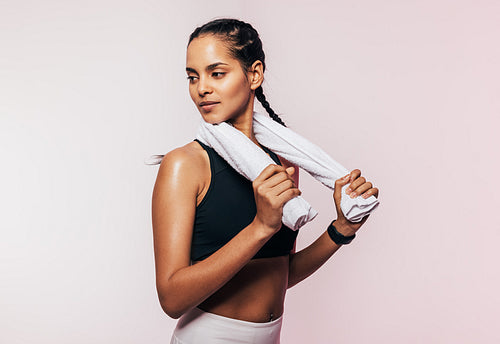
(360, 186)
(275, 180)
(370, 192)
(358, 181)
(275, 176)
(354, 174)
(342, 181)
(280, 182)
(339, 183)
(268, 172)
(283, 186)
(278, 179)
(288, 195)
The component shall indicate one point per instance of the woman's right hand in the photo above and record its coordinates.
(272, 189)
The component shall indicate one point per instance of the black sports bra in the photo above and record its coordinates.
(227, 208)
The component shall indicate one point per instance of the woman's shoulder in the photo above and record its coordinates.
(184, 162)
(190, 153)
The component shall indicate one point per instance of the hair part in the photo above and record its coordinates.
(244, 44)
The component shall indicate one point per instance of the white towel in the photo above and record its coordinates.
(249, 160)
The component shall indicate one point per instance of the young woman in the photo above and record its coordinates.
(224, 259)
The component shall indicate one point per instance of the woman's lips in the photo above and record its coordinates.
(208, 107)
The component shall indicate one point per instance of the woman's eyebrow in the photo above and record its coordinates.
(208, 68)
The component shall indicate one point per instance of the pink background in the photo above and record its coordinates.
(408, 92)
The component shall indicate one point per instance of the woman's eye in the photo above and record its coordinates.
(191, 78)
(217, 74)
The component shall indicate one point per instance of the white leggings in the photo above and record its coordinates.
(198, 326)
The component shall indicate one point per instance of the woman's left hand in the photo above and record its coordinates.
(358, 186)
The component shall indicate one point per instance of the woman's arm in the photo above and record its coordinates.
(182, 286)
(305, 262)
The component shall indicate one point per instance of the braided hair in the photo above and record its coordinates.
(244, 44)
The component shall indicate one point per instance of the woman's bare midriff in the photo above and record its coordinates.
(257, 292)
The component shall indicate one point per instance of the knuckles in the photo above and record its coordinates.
(274, 167)
(283, 174)
(260, 189)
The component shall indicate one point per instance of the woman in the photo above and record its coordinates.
(224, 260)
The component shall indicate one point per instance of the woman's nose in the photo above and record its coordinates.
(204, 86)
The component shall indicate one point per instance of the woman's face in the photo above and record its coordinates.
(218, 79)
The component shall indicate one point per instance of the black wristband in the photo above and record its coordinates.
(338, 238)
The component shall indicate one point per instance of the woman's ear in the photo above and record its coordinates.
(256, 75)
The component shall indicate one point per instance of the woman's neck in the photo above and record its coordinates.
(244, 123)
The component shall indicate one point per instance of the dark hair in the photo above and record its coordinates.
(244, 44)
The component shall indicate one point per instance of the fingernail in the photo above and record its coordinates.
(348, 191)
(353, 195)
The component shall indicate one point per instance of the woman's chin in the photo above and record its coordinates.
(213, 119)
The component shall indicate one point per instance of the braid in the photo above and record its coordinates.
(259, 93)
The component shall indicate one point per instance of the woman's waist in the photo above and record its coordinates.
(256, 293)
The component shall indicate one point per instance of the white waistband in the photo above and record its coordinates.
(198, 326)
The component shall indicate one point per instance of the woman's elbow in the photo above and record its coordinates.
(171, 312)
(172, 309)
(171, 304)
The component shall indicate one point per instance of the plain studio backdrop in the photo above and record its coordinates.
(408, 92)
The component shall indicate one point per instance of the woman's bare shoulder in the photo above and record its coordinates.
(190, 153)
(184, 163)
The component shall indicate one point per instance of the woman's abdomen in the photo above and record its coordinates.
(256, 293)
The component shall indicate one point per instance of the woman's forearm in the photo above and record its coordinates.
(305, 262)
(191, 285)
